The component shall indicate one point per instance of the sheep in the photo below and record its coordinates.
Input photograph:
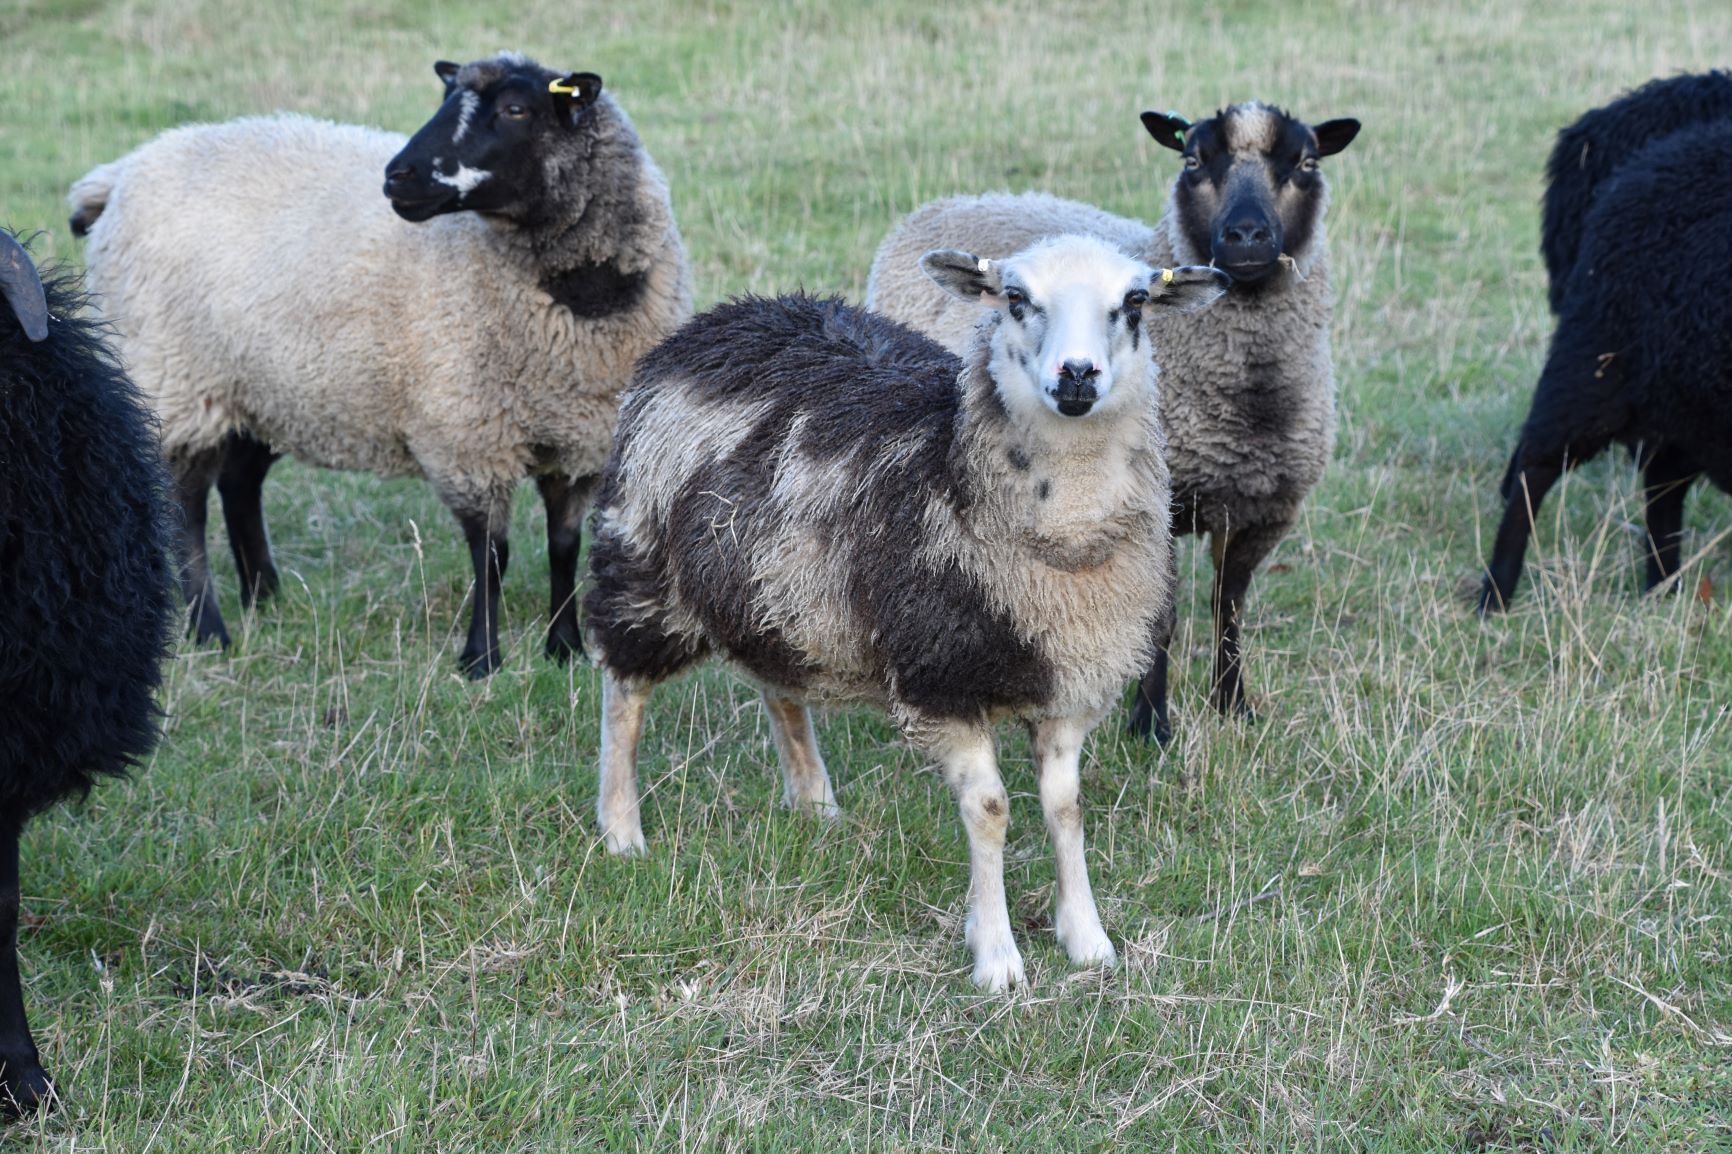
(850, 513)
(1249, 405)
(474, 324)
(1591, 149)
(1642, 354)
(86, 589)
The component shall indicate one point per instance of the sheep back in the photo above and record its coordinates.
(88, 598)
(1600, 141)
(1643, 348)
(1247, 385)
(800, 486)
(260, 280)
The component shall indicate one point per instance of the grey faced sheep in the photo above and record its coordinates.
(849, 513)
(86, 589)
(1591, 149)
(1642, 355)
(474, 325)
(1249, 396)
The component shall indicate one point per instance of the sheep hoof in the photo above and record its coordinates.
(563, 644)
(625, 843)
(24, 1089)
(263, 588)
(204, 632)
(998, 970)
(1087, 945)
(478, 666)
(1491, 599)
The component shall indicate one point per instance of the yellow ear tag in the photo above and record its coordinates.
(1166, 276)
(558, 89)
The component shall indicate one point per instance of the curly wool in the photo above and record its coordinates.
(88, 606)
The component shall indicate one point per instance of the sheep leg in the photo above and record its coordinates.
(1525, 486)
(565, 500)
(1149, 711)
(1665, 481)
(616, 806)
(24, 1085)
(971, 768)
(805, 781)
(193, 475)
(241, 485)
(1076, 921)
(1237, 553)
(489, 552)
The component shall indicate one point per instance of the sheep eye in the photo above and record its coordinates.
(516, 111)
(1192, 163)
(1309, 164)
(1136, 299)
(1015, 297)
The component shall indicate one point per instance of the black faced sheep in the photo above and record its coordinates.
(270, 300)
(1642, 355)
(1249, 396)
(849, 513)
(1592, 148)
(86, 588)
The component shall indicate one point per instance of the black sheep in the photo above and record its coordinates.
(1592, 148)
(88, 591)
(1642, 355)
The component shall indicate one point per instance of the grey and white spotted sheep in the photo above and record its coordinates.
(1249, 385)
(473, 325)
(849, 513)
(87, 601)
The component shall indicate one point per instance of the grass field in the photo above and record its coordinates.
(1464, 887)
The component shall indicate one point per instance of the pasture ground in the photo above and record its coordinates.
(1464, 887)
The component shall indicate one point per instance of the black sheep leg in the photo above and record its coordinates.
(1666, 479)
(489, 552)
(566, 500)
(1525, 486)
(1237, 553)
(24, 1085)
(240, 485)
(1149, 711)
(193, 475)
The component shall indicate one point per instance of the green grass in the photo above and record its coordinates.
(357, 903)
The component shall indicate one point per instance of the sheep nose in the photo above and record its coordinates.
(1077, 370)
(1246, 232)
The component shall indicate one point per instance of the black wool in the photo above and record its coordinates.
(1595, 146)
(1642, 355)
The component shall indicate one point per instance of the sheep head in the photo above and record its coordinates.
(1072, 317)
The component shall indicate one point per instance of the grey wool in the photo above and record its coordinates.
(850, 514)
(474, 324)
(1248, 385)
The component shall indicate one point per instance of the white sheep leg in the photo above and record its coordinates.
(805, 781)
(616, 808)
(971, 768)
(1058, 750)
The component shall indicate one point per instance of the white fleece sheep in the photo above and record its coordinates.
(266, 294)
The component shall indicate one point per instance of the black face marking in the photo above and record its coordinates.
(597, 290)
(1018, 459)
(497, 119)
(1043, 490)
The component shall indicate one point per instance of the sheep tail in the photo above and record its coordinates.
(89, 196)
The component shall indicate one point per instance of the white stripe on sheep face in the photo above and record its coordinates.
(1071, 328)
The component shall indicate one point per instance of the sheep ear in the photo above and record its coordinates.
(1168, 128)
(1334, 135)
(1189, 288)
(575, 92)
(447, 72)
(964, 275)
(22, 288)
